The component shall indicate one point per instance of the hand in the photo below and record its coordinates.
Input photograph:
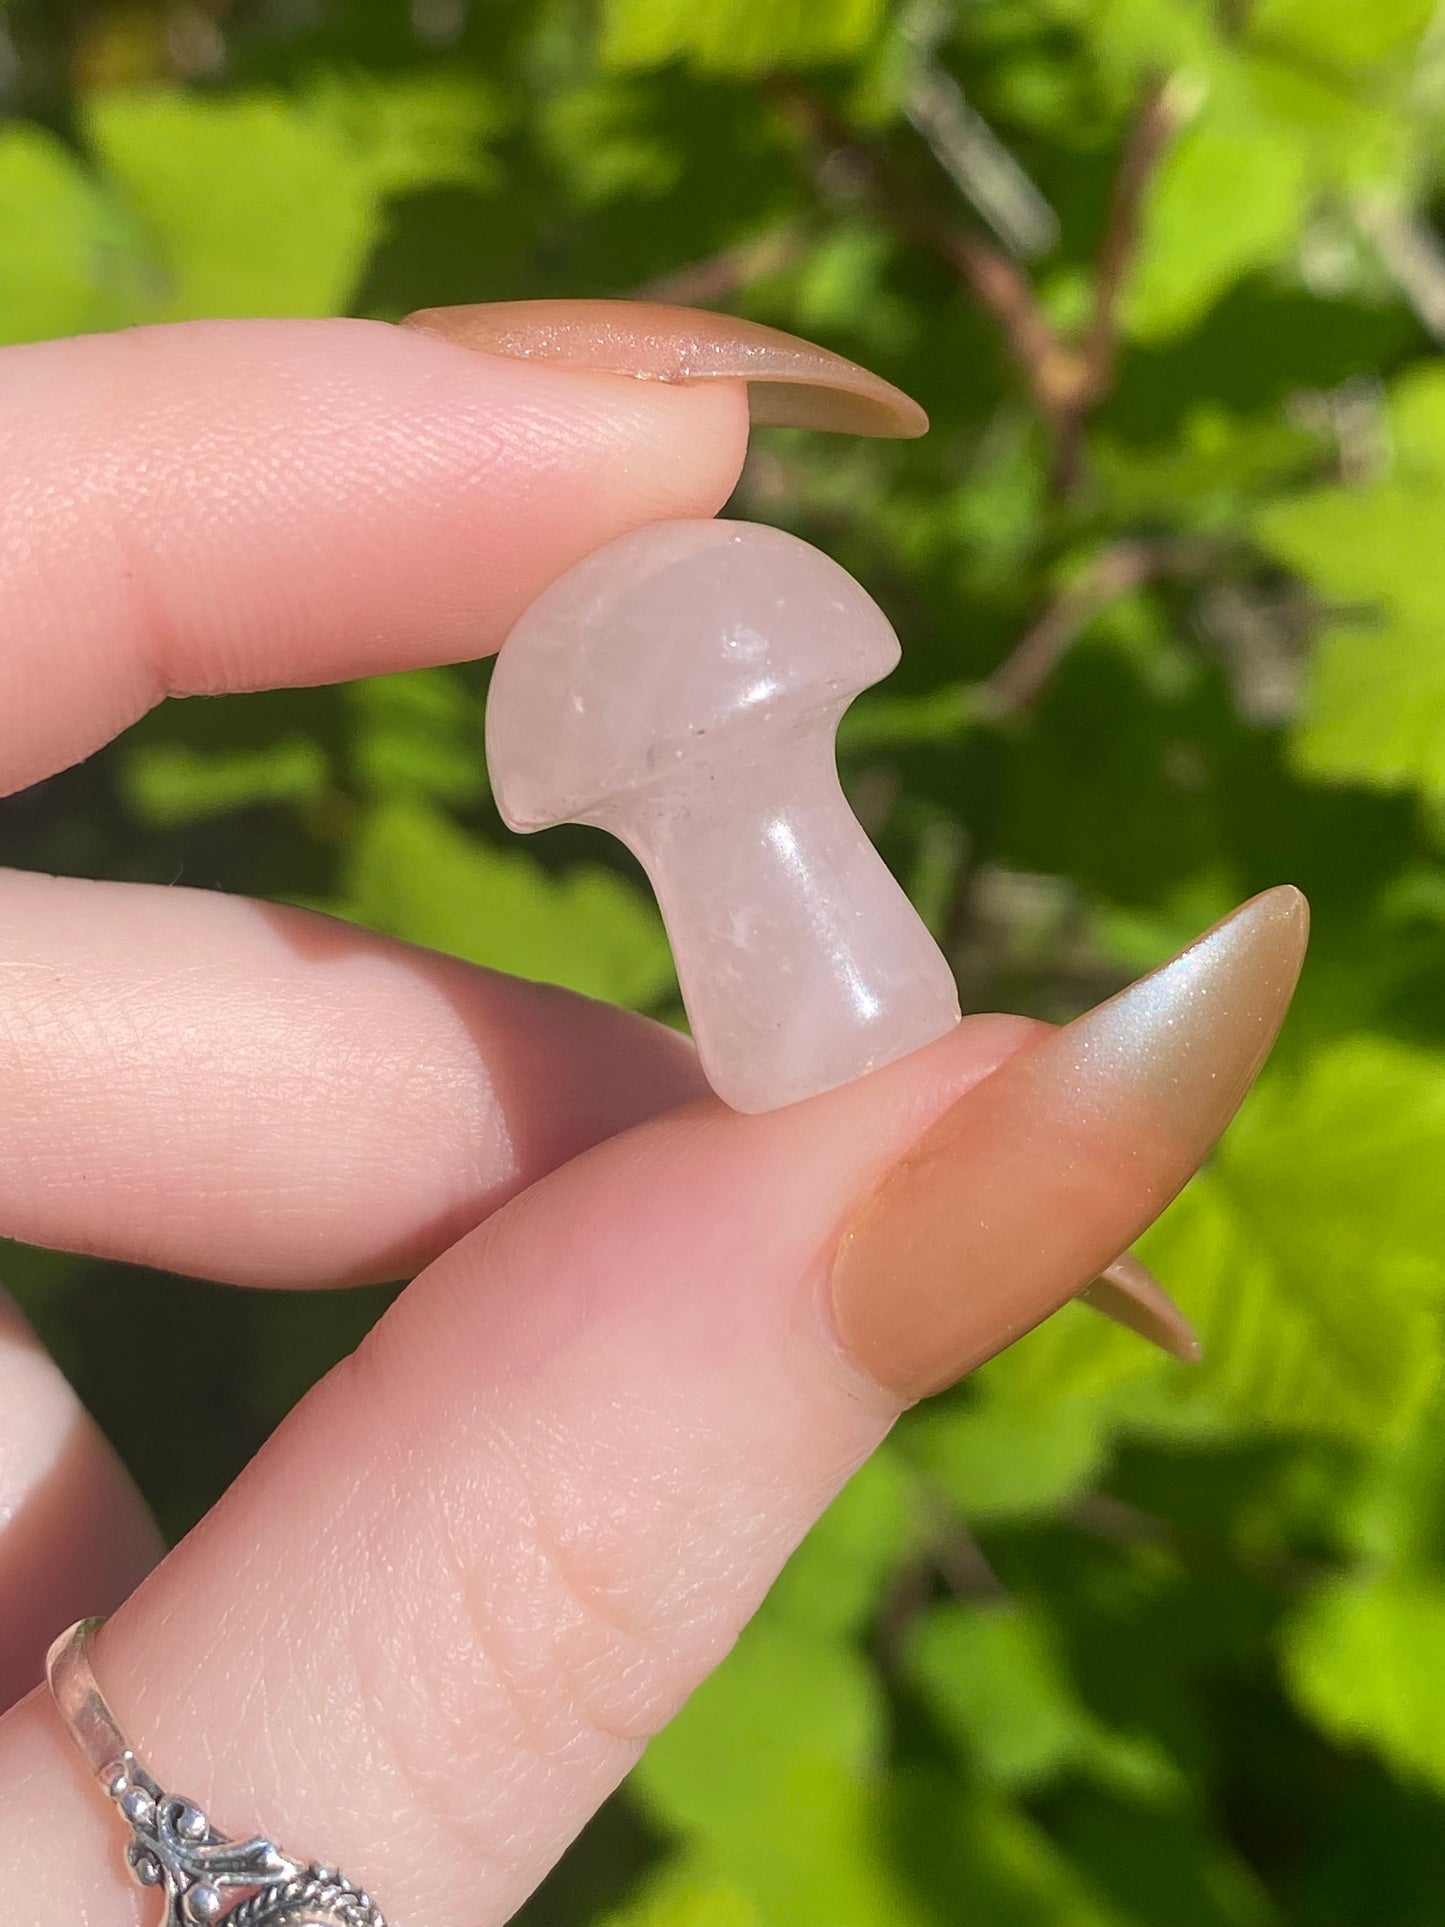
(432, 1625)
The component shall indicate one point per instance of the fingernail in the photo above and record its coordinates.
(791, 383)
(1128, 1292)
(1021, 1194)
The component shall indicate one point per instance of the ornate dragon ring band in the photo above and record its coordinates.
(207, 1879)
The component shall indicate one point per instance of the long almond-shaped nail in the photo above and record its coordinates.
(1030, 1185)
(791, 383)
(1128, 1292)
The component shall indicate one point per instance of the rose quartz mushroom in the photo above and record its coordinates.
(682, 688)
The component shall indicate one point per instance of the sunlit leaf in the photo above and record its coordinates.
(254, 206)
(1363, 1659)
(414, 874)
(418, 734)
(790, 1726)
(977, 1855)
(1341, 31)
(996, 1461)
(993, 1677)
(604, 146)
(686, 1895)
(1311, 1258)
(1394, 1517)
(1229, 157)
(168, 783)
(411, 130)
(73, 261)
(836, 1580)
(735, 36)
(260, 203)
(1375, 709)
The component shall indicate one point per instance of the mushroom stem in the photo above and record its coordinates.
(801, 961)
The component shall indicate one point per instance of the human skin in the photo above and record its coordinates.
(434, 1622)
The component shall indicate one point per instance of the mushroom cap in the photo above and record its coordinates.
(654, 649)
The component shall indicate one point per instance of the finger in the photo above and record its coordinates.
(232, 505)
(243, 1091)
(469, 1585)
(433, 1624)
(73, 1528)
(248, 1092)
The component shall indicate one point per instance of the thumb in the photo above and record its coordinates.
(434, 1623)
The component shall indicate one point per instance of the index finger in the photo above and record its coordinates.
(237, 505)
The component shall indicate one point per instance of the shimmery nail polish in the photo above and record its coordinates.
(1029, 1186)
(1129, 1293)
(791, 383)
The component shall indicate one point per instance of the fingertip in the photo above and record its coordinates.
(677, 449)
(215, 506)
(74, 1533)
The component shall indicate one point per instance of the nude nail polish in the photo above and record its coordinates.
(1128, 1293)
(791, 383)
(1024, 1192)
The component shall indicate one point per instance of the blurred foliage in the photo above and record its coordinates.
(1095, 1641)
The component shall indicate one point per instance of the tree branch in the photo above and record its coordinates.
(1067, 377)
(1117, 1522)
(1158, 119)
(719, 277)
(1411, 250)
(997, 283)
(986, 172)
(1019, 680)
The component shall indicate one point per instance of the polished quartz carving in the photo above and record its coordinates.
(681, 688)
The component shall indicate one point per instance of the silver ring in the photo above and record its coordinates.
(206, 1878)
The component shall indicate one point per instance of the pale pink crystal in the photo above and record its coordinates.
(681, 688)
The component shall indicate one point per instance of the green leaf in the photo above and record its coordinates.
(256, 207)
(1131, 41)
(994, 1678)
(1395, 1517)
(1214, 466)
(783, 1709)
(604, 147)
(980, 1857)
(835, 1581)
(1318, 1288)
(1164, 1865)
(686, 1894)
(995, 1461)
(735, 36)
(788, 1730)
(1375, 706)
(1311, 1257)
(1364, 1660)
(168, 784)
(410, 130)
(412, 873)
(418, 734)
(260, 203)
(1344, 33)
(841, 288)
(880, 722)
(73, 261)
(1350, 135)
(1190, 253)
